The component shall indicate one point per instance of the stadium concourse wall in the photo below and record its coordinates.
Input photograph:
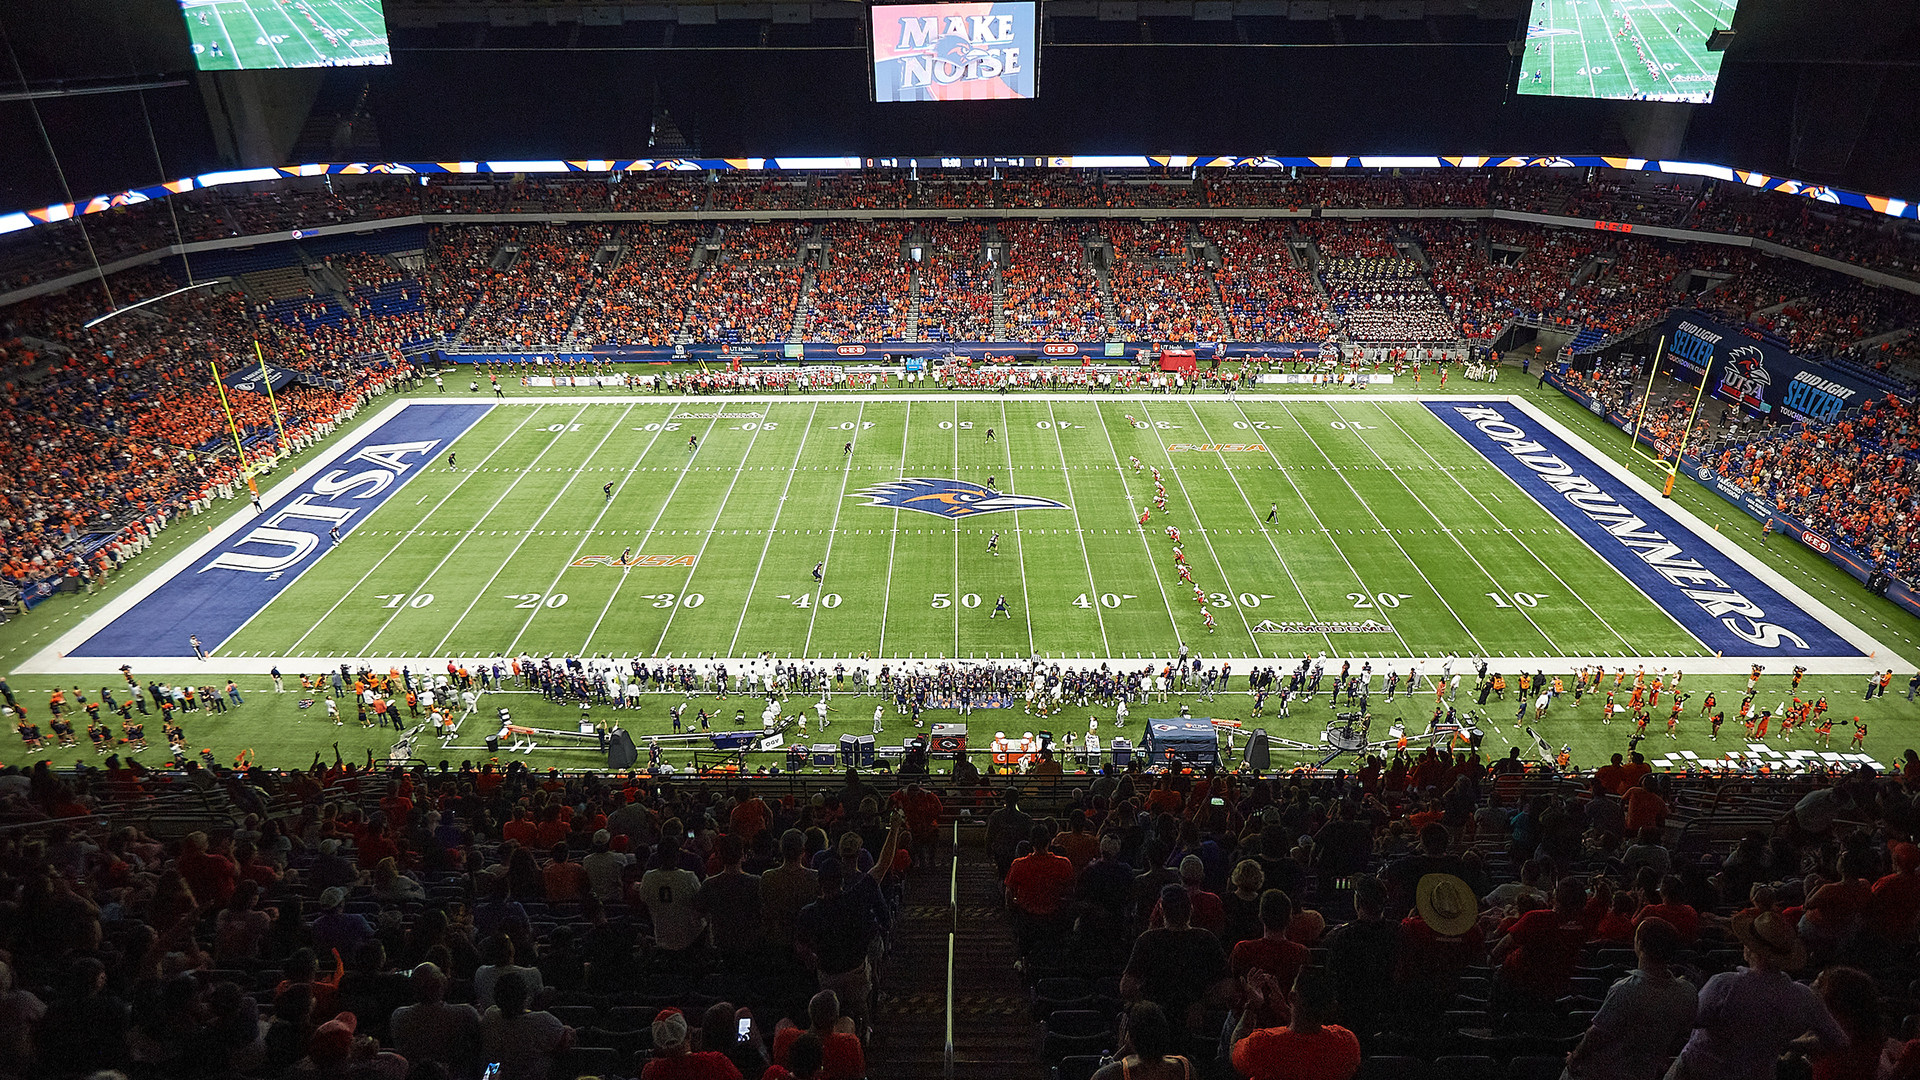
(1830, 548)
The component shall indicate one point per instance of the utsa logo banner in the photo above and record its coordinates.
(949, 498)
(1757, 373)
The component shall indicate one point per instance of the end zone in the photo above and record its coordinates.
(224, 579)
(1730, 602)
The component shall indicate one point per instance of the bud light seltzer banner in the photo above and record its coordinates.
(954, 52)
(1757, 374)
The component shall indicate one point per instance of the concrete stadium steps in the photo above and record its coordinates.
(994, 1037)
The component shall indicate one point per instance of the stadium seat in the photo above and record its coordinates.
(1465, 1067)
(1388, 1067)
(1078, 1067)
(1536, 1068)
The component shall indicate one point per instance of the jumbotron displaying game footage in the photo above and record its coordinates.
(1635, 51)
(230, 35)
(955, 52)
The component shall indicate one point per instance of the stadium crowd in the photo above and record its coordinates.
(538, 285)
(1851, 479)
(1491, 917)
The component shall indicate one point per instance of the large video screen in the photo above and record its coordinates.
(955, 52)
(229, 35)
(1630, 51)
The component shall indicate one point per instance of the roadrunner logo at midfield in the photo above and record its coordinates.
(949, 498)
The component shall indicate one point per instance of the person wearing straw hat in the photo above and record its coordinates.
(1749, 1016)
(1437, 941)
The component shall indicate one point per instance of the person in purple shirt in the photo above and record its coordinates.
(1748, 1017)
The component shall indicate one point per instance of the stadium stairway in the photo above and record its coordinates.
(993, 1036)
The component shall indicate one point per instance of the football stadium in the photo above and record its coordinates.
(979, 549)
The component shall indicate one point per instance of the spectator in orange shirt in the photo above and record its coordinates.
(1645, 808)
(1311, 1047)
(565, 880)
(520, 829)
(1038, 885)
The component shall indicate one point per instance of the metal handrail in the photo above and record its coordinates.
(953, 927)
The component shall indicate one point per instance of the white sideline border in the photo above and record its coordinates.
(53, 660)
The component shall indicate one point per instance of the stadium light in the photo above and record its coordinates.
(150, 300)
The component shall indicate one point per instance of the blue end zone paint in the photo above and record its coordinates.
(231, 583)
(1714, 597)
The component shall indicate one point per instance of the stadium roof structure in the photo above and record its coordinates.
(25, 219)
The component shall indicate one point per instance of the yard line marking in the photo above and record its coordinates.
(644, 537)
(322, 620)
(605, 505)
(1396, 540)
(1575, 593)
(957, 587)
(1311, 614)
(893, 543)
(778, 508)
(1144, 545)
(707, 536)
(1074, 501)
(1471, 557)
(518, 544)
(1019, 550)
(264, 35)
(1217, 563)
(833, 530)
(1315, 515)
(295, 26)
(448, 557)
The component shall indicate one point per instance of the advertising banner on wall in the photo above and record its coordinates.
(1756, 374)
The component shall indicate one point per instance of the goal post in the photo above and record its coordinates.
(1670, 450)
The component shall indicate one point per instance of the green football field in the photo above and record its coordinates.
(1617, 49)
(519, 551)
(231, 34)
(1413, 545)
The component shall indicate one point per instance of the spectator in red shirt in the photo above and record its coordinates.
(1677, 912)
(1836, 910)
(1312, 1047)
(1538, 954)
(211, 877)
(1038, 885)
(843, 1058)
(1896, 897)
(1209, 913)
(1272, 954)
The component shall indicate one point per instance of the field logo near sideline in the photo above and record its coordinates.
(1369, 626)
(1218, 448)
(638, 560)
(949, 498)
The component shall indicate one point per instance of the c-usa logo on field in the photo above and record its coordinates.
(949, 498)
